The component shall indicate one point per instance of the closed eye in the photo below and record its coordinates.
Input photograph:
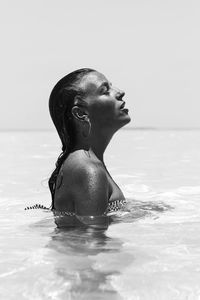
(104, 88)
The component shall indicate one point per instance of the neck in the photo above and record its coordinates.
(97, 143)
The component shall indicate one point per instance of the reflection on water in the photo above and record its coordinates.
(76, 251)
(80, 254)
(82, 241)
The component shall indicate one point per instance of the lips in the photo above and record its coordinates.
(122, 108)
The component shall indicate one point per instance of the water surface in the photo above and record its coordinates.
(151, 251)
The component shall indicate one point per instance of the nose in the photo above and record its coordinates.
(120, 94)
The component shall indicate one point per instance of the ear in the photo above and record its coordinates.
(79, 113)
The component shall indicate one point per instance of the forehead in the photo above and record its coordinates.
(92, 81)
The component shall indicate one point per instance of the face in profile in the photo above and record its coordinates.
(106, 106)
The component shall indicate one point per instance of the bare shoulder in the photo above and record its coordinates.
(80, 163)
(88, 183)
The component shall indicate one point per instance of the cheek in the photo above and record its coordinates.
(103, 111)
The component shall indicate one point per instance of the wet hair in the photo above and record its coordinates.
(61, 102)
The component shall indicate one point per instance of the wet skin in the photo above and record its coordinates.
(84, 185)
(104, 102)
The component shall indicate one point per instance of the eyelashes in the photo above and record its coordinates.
(105, 88)
(105, 91)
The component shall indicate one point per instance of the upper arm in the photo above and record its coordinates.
(90, 190)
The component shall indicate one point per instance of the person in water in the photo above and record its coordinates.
(86, 111)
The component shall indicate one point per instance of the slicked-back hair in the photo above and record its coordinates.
(61, 102)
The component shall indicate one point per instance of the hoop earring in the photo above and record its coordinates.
(86, 132)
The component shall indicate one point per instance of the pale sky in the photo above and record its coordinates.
(149, 48)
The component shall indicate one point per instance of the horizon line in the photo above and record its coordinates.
(156, 128)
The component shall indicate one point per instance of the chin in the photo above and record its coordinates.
(123, 122)
(126, 120)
